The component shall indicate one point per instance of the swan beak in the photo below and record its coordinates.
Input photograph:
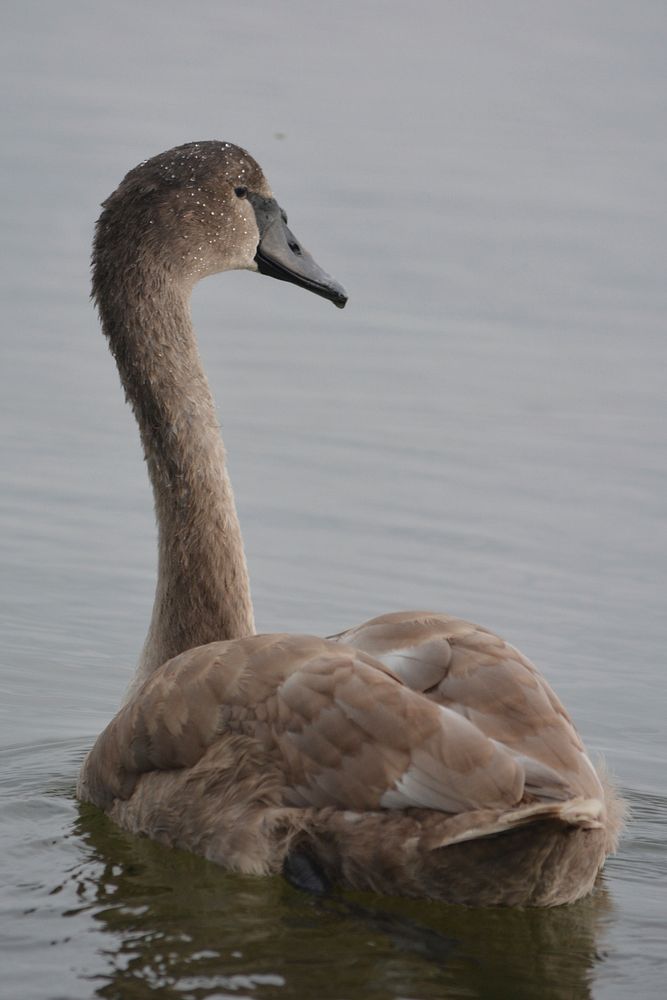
(280, 255)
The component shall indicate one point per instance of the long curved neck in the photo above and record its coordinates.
(202, 593)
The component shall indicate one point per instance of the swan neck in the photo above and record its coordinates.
(202, 591)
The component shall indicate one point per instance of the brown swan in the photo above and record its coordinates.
(415, 754)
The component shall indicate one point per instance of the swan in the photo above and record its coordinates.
(414, 754)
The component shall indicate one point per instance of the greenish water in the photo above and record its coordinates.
(482, 432)
(121, 917)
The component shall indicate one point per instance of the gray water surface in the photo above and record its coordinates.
(482, 432)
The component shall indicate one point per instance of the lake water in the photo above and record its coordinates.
(483, 431)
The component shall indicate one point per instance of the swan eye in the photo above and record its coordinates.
(241, 192)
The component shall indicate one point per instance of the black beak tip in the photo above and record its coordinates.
(340, 299)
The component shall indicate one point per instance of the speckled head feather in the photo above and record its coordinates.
(195, 210)
(180, 210)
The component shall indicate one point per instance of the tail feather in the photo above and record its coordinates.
(618, 811)
(587, 814)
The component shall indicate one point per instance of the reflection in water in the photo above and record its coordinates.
(180, 924)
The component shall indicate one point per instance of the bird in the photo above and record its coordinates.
(415, 754)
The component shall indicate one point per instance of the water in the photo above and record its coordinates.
(482, 431)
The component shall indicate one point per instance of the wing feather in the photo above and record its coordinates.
(476, 674)
(337, 727)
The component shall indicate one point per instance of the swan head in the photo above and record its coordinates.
(199, 209)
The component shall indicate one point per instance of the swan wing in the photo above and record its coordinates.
(337, 727)
(476, 674)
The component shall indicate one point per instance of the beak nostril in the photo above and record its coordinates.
(294, 247)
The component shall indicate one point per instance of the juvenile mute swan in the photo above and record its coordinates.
(414, 754)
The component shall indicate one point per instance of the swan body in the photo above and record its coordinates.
(415, 753)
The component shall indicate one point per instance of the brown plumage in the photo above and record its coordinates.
(414, 754)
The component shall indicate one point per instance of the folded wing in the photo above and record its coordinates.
(475, 674)
(335, 726)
